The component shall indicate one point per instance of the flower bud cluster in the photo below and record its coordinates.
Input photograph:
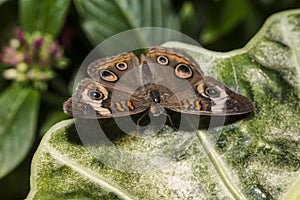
(32, 58)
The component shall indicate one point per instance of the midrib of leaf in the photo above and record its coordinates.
(81, 8)
(92, 176)
(289, 37)
(6, 124)
(220, 167)
(103, 19)
(40, 23)
(62, 159)
(37, 12)
(48, 17)
(130, 21)
(128, 18)
(234, 74)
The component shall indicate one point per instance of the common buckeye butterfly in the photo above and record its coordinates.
(164, 79)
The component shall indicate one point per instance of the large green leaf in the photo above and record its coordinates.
(18, 116)
(253, 159)
(44, 16)
(104, 18)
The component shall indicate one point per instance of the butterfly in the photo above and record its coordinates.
(163, 80)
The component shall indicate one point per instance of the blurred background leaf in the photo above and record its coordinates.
(225, 25)
(230, 14)
(44, 16)
(2, 1)
(18, 124)
(2, 81)
(101, 19)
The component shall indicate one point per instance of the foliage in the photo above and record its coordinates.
(31, 105)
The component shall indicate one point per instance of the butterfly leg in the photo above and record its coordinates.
(138, 122)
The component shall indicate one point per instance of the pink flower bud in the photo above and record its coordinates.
(30, 74)
(27, 58)
(11, 56)
(53, 49)
(37, 42)
(20, 35)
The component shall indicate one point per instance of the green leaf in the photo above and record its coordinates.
(2, 1)
(3, 82)
(231, 13)
(188, 19)
(44, 16)
(18, 116)
(256, 158)
(104, 18)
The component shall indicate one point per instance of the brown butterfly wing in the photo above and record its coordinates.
(188, 90)
(212, 98)
(111, 70)
(95, 100)
(177, 62)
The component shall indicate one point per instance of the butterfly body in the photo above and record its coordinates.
(165, 79)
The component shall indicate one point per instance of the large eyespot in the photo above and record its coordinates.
(95, 94)
(121, 66)
(163, 60)
(108, 75)
(212, 92)
(183, 71)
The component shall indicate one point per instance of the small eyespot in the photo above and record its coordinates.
(183, 71)
(95, 95)
(86, 107)
(212, 92)
(108, 75)
(121, 66)
(163, 60)
(229, 103)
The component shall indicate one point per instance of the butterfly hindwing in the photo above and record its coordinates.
(94, 100)
(211, 98)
